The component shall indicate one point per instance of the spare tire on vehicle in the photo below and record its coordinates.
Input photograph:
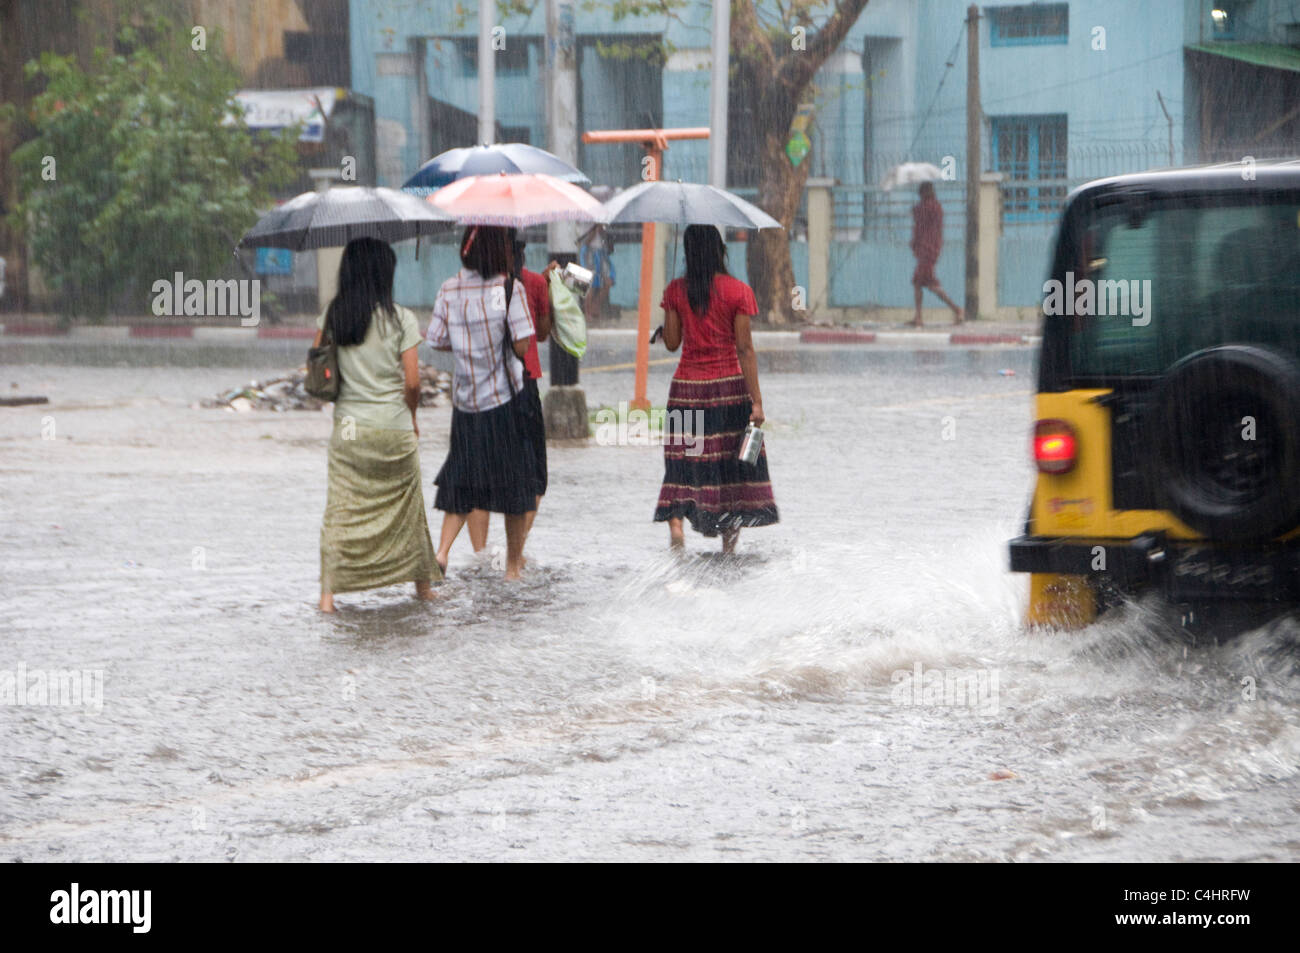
(1226, 424)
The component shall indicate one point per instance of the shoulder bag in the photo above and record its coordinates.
(323, 379)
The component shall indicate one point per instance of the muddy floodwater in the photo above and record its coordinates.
(619, 703)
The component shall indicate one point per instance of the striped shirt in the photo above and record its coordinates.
(469, 316)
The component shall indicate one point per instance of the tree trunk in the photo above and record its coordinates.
(778, 73)
(767, 258)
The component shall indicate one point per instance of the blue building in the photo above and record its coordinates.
(1070, 91)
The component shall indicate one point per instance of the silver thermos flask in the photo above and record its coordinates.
(577, 278)
(752, 445)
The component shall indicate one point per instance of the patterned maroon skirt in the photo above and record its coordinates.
(703, 480)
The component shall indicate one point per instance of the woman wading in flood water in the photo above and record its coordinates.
(492, 463)
(708, 314)
(374, 532)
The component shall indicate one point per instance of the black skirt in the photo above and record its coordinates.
(530, 404)
(491, 463)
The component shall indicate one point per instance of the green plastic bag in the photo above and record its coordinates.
(568, 324)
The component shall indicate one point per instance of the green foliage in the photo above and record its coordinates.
(153, 172)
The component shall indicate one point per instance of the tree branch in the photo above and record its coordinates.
(748, 39)
(797, 71)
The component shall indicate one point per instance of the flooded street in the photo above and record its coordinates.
(619, 703)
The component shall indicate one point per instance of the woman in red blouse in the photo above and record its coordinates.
(714, 395)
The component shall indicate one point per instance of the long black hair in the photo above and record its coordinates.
(706, 256)
(486, 249)
(365, 284)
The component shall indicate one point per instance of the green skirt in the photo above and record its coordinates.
(375, 531)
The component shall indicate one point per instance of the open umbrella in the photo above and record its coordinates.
(335, 217)
(911, 173)
(515, 201)
(511, 158)
(685, 203)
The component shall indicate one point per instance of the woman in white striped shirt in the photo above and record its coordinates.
(490, 459)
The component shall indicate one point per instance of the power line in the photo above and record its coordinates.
(1043, 89)
(949, 63)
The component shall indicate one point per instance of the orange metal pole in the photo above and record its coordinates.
(639, 400)
(655, 142)
(610, 136)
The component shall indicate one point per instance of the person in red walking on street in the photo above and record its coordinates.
(927, 242)
(537, 292)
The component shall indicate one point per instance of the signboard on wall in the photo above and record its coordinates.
(277, 108)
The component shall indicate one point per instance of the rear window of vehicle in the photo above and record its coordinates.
(1158, 279)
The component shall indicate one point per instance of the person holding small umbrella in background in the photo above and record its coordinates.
(596, 254)
(927, 242)
(707, 314)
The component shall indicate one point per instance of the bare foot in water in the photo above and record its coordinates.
(676, 536)
(423, 590)
(327, 602)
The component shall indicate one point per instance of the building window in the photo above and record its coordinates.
(512, 61)
(1226, 18)
(323, 57)
(1030, 150)
(1029, 24)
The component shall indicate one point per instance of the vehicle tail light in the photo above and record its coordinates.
(1054, 446)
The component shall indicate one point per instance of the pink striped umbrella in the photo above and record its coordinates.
(516, 201)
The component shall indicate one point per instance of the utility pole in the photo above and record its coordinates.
(487, 73)
(973, 121)
(420, 107)
(565, 406)
(718, 94)
(561, 108)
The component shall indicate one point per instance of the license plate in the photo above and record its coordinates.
(1211, 572)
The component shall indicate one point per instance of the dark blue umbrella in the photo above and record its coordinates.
(508, 157)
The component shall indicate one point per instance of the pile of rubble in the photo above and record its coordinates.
(286, 392)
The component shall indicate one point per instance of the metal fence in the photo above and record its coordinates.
(867, 211)
(871, 212)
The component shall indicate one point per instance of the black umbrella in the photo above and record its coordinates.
(333, 218)
(685, 203)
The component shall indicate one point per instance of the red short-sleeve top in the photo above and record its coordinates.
(539, 306)
(709, 341)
